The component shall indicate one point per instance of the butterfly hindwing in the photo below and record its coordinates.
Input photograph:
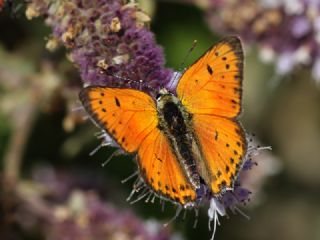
(223, 145)
(211, 91)
(162, 171)
(127, 115)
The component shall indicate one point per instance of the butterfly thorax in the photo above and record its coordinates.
(176, 123)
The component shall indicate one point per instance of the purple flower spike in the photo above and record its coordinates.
(85, 216)
(107, 40)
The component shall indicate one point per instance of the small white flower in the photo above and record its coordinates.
(267, 54)
(285, 63)
(302, 55)
(216, 208)
(293, 7)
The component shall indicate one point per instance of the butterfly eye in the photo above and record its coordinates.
(158, 96)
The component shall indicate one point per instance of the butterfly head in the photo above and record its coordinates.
(165, 96)
(162, 92)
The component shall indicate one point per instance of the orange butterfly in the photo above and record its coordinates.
(186, 141)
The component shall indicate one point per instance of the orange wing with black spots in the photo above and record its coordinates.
(213, 84)
(130, 117)
(211, 91)
(223, 145)
(162, 171)
(127, 115)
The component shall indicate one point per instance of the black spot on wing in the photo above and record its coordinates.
(209, 69)
(117, 101)
(216, 136)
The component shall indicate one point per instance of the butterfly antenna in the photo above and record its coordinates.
(181, 68)
(194, 44)
(140, 82)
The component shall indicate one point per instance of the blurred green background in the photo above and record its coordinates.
(282, 112)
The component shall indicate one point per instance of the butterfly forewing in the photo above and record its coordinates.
(211, 91)
(127, 115)
(213, 84)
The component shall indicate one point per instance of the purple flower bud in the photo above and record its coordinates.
(301, 26)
